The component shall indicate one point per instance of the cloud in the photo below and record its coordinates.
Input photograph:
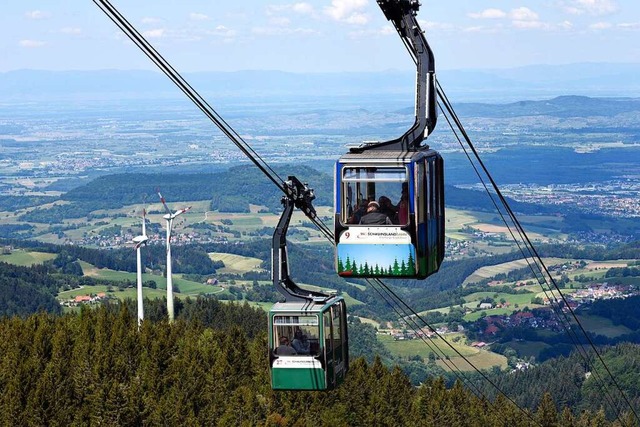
(37, 14)
(198, 16)
(591, 7)
(222, 31)
(302, 8)
(629, 25)
(530, 25)
(476, 29)
(387, 30)
(280, 31)
(32, 43)
(432, 25)
(488, 14)
(600, 26)
(521, 17)
(154, 34)
(71, 30)
(566, 25)
(523, 14)
(349, 11)
(298, 8)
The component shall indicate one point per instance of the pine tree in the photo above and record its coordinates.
(547, 414)
(411, 265)
(567, 419)
(396, 268)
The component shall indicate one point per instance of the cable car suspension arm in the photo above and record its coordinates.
(402, 14)
(301, 196)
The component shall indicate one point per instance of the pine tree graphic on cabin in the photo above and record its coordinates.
(399, 267)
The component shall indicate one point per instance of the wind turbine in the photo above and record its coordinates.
(139, 241)
(169, 217)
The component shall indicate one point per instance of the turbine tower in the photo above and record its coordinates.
(169, 217)
(139, 241)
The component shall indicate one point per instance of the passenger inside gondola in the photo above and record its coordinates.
(359, 213)
(374, 216)
(403, 206)
(305, 333)
(300, 343)
(387, 208)
(284, 349)
(371, 184)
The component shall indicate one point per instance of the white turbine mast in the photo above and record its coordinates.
(139, 241)
(169, 217)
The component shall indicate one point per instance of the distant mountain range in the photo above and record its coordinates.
(560, 106)
(486, 85)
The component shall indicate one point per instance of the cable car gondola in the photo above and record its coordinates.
(375, 237)
(308, 342)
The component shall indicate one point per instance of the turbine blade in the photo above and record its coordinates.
(181, 211)
(164, 203)
(144, 222)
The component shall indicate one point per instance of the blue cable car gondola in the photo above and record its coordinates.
(308, 342)
(375, 237)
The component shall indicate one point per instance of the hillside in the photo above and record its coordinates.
(188, 373)
(569, 383)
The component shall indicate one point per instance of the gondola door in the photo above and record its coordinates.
(336, 345)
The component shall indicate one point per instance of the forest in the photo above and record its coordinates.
(210, 368)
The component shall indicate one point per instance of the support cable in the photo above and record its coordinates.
(463, 357)
(540, 264)
(566, 325)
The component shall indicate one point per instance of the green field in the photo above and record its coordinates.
(187, 287)
(236, 264)
(490, 271)
(407, 348)
(521, 300)
(528, 348)
(483, 359)
(512, 299)
(130, 293)
(602, 326)
(26, 258)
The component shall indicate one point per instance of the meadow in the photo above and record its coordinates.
(26, 258)
(448, 347)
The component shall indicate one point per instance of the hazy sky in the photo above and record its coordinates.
(316, 35)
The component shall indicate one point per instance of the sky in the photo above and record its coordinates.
(316, 35)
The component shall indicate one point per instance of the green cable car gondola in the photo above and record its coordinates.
(308, 342)
(308, 345)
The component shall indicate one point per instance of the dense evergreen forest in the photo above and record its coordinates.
(26, 290)
(210, 368)
(571, 382)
